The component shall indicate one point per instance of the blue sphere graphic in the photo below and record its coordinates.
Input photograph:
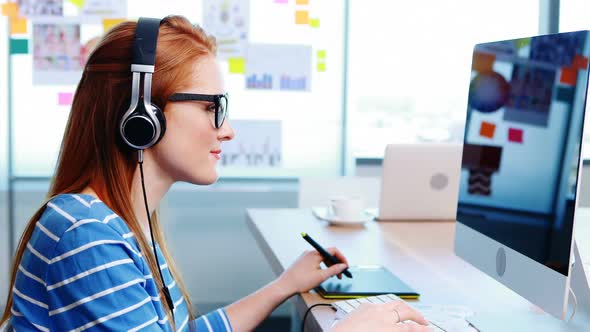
(488, 92)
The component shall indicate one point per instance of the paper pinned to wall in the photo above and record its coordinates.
(56, 53)
(108, 23)
(259, 144)
(10, 9)
(40, 8)
(65, 98)
(228, 21)
(278, 67)
(18, 25)
(77, 3)
(302, 17)
(314, 22)
(19, 46)
(237, 65)
(96, 10)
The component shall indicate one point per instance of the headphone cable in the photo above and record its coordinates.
(309, 310)
(165, 289)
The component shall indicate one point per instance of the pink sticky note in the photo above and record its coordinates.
(282, 1)
(65, 98)
(515, 135)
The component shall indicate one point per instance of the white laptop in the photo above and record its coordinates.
(420, 181)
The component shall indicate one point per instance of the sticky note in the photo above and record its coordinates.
(282, 1)
(321, 66)
(65, 98)
(237, 65)
(487, 129)
(314, 22)
(483, 62)
(10, 9)
(19, 46)
(580, 62)
(321, 54)
(301, 17)
(302, 2)
(108, 23)
(515, 135)
(568, 76)
(78, 3)
(18, 25)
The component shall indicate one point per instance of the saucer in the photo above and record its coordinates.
(324, 214)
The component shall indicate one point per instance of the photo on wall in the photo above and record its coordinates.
(40, 8)
(56, 54)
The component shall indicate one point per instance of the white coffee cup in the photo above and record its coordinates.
(347, 207)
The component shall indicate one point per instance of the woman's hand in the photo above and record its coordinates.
(396, 316)
(306, 272)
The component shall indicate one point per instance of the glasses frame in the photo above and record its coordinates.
(216, 99)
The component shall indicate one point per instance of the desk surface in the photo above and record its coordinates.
(420, 253)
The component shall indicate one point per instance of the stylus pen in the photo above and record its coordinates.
(328, 258)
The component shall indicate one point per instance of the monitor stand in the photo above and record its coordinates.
(580, 285)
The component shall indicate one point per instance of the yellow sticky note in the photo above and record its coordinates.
(302, 17)
(321, 66)
(237, 65)
(314, 22)
(321, 54)
(10, 9)
(302, 2)
(18, 25)
(78, 3)
(108, 23)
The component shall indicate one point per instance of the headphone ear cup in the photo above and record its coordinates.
(162, 119)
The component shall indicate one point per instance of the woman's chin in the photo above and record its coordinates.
(204, 179)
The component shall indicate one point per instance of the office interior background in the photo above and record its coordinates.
(360, 75)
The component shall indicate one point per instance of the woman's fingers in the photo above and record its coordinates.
(406, 312)
(336, 253)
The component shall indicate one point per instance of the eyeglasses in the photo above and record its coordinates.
(220, 102)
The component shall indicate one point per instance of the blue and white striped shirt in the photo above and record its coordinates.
(82, 270)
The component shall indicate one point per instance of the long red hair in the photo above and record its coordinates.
(92, 153)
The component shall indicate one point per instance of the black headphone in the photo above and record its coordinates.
(143, 124)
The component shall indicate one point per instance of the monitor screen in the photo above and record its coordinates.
(522, 143)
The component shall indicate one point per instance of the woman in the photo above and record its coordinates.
(85, 260)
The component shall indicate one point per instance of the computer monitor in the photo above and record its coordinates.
(521, 166)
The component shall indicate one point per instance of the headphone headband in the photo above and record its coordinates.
(144, 45)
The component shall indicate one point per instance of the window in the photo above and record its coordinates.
(410, 63)
(571, 19)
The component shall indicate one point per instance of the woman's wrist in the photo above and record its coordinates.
(283, 287)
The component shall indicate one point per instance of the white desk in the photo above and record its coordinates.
(420, 253)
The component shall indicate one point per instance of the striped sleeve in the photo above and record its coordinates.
(95, 280)
(215, 321)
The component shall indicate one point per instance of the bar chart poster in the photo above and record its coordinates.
(278, 67)
(258, 143)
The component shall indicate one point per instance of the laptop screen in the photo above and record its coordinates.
(522, 143)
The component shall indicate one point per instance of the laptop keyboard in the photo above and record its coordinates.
(440, 320)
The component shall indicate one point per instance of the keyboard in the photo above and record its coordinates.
(441, 318)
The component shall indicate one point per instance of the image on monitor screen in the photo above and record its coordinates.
(522, 143)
